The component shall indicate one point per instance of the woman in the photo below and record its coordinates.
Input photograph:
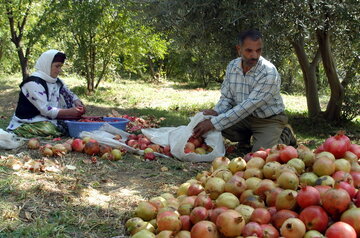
(44, 100)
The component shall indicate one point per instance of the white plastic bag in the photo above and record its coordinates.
(158, 136)
(179, 137)
(9, 140)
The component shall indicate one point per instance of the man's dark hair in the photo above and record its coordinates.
(252, 34)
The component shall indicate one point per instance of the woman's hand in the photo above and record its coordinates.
(78, 103)
(71, 113)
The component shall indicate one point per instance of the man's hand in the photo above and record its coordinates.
(210, 112)
(202, 128)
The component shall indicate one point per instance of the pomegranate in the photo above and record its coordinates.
(165, 234)
(287, 153)
(347, 187)
(339, 176)
(254, 201)
(252, 229)
(185, 208)
(230, 223)
(183, 234)
(195, 189)
(255, 162)
(216, 212)
(228, 200)
(221, 161)
(274, 156)
(308, 196)
(313, 234)
(271, 196)
(33, 144)
(298, 165)
(308, 157)
(92, 148)
(198, 214)
(314, 218)
(143, 233)
(253, 172)
(308, 178)
(146, 211)
(355, 149)
(158, 202)
(261, 216)
(204, 229)
(323, 166)
(235, 185)
(338, 144)
(356, 178)
(168, 220)
(286, 199)
(280, 216)
(251, 183)
(269, 231)
(293, 228)
(214, 187)
(340, 229)
(245, 211)
(288, 180)
(270, 168)
(203, 200)
(237, 164)
(335, 201)
(263, 186)
(352, 217)
(322, 189)
(342, 165)
(350, 156)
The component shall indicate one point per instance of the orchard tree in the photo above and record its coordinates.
(106, 34)
(28, 21)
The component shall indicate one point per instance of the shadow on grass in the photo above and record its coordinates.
(196, 85)
(319, 129)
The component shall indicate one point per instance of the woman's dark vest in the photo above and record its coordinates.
(25, 109)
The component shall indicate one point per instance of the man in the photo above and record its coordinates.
(250, 104)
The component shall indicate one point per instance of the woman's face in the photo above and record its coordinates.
(55, 69)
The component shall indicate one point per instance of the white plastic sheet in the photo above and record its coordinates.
(9, 140)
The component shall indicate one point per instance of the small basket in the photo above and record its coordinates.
(76, 127)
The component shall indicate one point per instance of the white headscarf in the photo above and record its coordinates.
(43, 66)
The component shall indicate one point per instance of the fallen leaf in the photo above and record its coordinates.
(33, 165)
(164, 169)
(70, 167)
(28, 215)
(87, 161)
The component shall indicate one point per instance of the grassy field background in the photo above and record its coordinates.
(94, 200)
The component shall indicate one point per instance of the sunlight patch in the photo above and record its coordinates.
(94, 197)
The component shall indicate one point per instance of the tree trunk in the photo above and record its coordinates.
(16, 37)
(309, 74)
(333, 110)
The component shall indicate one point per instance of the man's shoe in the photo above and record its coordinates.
(287, 136)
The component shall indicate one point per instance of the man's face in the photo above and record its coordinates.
(250, 51)
(55, 69)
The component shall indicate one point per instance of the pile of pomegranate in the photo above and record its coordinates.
(141, 142)
(85, 145)
(278, 192)
(197, 145)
